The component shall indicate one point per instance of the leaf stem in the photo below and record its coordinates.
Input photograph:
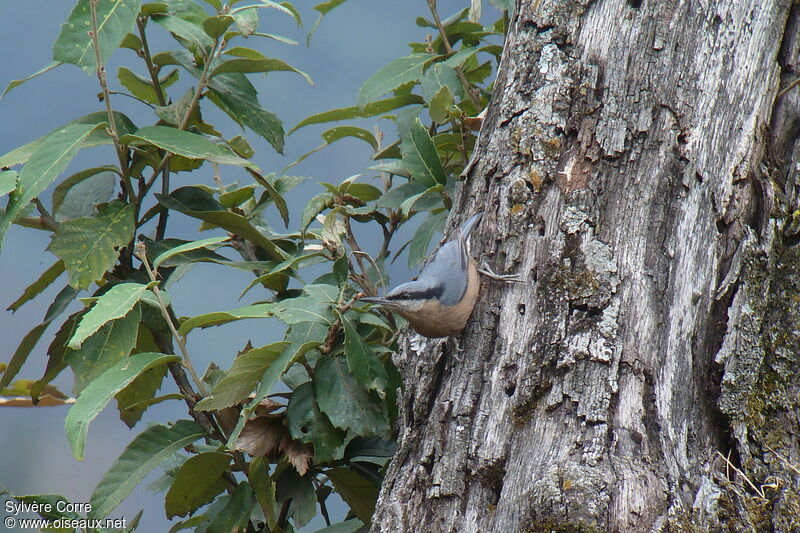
(446, 42)
(112, 125)
(187, 362)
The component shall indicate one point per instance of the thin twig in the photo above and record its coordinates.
(446, 42)
(148, 60)
(351, 239)
(112, 124)
(187, 362)
(787, 88)
(47, 219)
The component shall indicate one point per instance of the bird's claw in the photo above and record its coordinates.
(489, 273)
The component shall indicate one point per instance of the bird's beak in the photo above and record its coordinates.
(375, 300)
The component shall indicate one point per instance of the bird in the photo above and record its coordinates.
(440, 301)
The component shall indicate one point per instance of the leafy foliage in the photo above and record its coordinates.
(290, 422)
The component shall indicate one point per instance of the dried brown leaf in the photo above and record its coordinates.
(297, 453)
(261, 436)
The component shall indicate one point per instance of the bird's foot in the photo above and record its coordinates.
(489, 273)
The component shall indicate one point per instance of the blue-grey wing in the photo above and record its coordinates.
(448, 269)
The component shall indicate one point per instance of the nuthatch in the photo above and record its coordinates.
(440, 301)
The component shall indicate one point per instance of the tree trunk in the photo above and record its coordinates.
(637, 167)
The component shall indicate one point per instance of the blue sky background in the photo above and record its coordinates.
(352, 43)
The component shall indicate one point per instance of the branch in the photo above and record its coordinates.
(446, 42)
(142, 255)
(112, 124)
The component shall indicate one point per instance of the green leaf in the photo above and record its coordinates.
(441, 106)
(246, 21)
(264, 489)
(395, 197)
(241, 379)
(63, 189)
(236, 96)
(369, 110)
(8, 181)
(184, 143)
(198, 203)
(252, 63)
(420, 156)
(115, 19)
(307, 423)
(111, 344)
(189, 523)
(314, 207)
(398, 72)
(197, 483)
(217, 25)
(187, 33)
(282, 268)
(139, 395)
(422, 237)
(100, 391)
(89, 246)
(145, 452)
(299, 491)
(45, 164)
(17, 83)
(236, 511)
(428, 200)
(35, 288)
(334, 134)
(303, 309)
(194, 245)
(272, 191)
(325, 7)
(363, 363)
(359, 493)
(82, 198)
(142, 87)
(503, 5)
(348, 526)
(269, 378)
(347, 404)
(99, 136)
(223, 317)
(438, 76)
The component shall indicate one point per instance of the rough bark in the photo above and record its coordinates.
(637, 169)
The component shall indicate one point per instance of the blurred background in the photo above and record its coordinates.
(352, 43)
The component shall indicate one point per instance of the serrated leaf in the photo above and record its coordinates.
(282, 268)
(398, 72)
(356, 491)
(187, 33)
(308, 424)
(100, 391)
(115, 19)
(223, 317)
(35, 288)
(369, 110)
(194, 245)
(395, 196)
(184, 143)
(16, 83)
(82, 198)
(441, 106)
(428, 200)
(142, 87)
(89, 246)
(274, 194)
(264, 489)
(62, 189)
(8, 181)
(299, 491)
(198, 203)
(347, 404)
(242, 378)
(111, 344)
(198, 482)
(363, 363)
(146, 451)
(334, 134)
(45, 164)
(420, 156)
(422, 237)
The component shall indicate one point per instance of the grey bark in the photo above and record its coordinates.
(638, 169)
